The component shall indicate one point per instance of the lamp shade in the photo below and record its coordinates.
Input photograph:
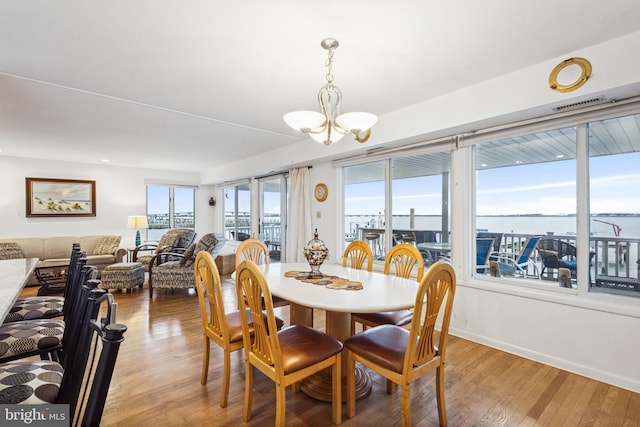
(300, 120)
(322, 137)
(357, 121)
(137, 221)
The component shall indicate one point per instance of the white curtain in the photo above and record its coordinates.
(299, 230)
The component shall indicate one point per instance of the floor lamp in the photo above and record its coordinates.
(137, 222)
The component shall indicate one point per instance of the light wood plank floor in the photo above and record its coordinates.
(157, 382)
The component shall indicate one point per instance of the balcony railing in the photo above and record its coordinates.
(614, 262)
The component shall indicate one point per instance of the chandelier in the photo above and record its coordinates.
(329, 125)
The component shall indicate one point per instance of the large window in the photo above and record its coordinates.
(274, 194)
(614, 207)
(237, 211)
(364, 204)
(525, 191)
(552, 206)
(528, 192)
(399, 200)
(169, 207)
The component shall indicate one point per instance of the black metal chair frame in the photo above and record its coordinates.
(553, 251)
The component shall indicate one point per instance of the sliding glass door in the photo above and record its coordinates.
(237, 211)
(273, 214)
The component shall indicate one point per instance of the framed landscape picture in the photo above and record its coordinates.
(60, 197)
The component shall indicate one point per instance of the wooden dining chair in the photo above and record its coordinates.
(225, 329)
(402, 356)
(402, 258)
(356, 254)
(256, 250)
(286, 356)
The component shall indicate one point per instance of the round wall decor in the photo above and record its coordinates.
(585, 67)
(321, 192)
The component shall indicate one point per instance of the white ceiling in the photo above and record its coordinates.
(184, 85)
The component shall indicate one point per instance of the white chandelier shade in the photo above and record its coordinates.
(303, 120)
(323, 136)
(356, 122)
(330, 126)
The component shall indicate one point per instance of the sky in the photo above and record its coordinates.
(542, 188)
(158, 199)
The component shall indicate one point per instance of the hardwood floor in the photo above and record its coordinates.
(157, 382)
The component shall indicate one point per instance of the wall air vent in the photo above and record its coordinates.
(580, 104)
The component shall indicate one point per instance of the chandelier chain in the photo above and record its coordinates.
(329, 65)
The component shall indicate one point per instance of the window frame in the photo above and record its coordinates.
(386, 157)
(235, 186)
(172, 210)
(462, 200)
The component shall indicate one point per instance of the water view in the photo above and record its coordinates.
(521, 224)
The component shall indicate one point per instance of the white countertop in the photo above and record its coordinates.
(14, 274)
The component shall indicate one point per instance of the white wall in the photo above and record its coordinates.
(516, 96)
(120, 192)
(324, 215)
(592, 341)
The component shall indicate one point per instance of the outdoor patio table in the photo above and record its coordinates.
(435, 246)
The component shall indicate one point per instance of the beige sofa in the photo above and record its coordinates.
(54, 251)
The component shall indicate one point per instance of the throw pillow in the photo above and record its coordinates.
(188, 255)
(10, 250)
(185, 237)
(207, 243)
(167, 242)
(107, 245)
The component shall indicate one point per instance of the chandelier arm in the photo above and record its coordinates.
(364, 138)
(329, 98)
(319, 129)
(329, 129)
(325, 125)
(339, 128)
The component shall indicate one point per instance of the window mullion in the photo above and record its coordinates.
(388, 211)
(582, 215)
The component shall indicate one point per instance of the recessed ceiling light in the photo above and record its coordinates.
(484, 165)
(518, 162)
(559, 156)
(105, 160)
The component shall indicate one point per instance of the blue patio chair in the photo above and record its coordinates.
(496, 242)
(510, 265)
(484, 246)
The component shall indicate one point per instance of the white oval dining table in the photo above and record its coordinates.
(380, 292)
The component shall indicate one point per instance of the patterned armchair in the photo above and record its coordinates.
(171, 270)
(174, 240)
